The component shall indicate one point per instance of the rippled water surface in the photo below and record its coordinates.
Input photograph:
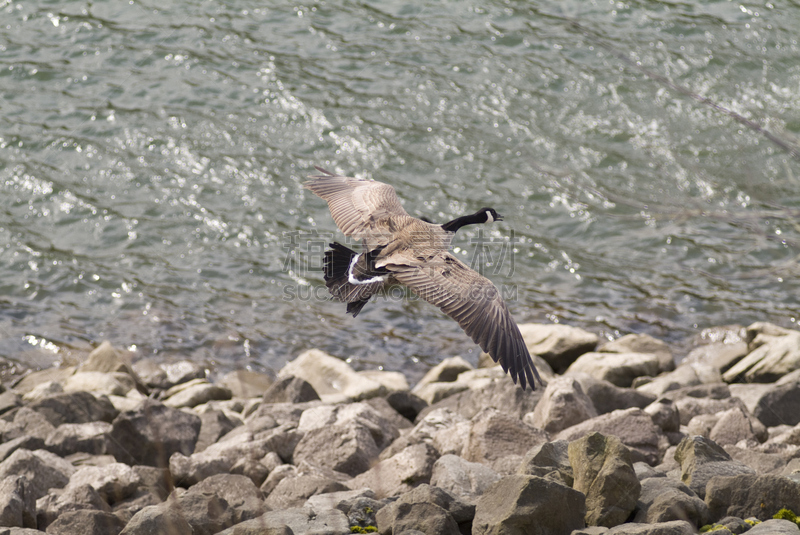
(151, 157)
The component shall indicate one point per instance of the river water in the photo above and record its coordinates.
(643, 154)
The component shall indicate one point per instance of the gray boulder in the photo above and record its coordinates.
(559, 345)
(702, 459)
(500, 441)
(42, 470)
(361, 414)
(165, 517)
(550, 459)
(461, 477)
(779, 405)
(445, 372)
(214, 424)
(563, 405)
(333, 379)
(774, 352)
(86, 522)
(617, 368)
(151, 434)
(665, 415)
(246, 383)
(685, 375)
(444, 429)
(290, 389)
(198, 392)
(294, 521)
(27, 423)
(60, 501)
(688, 407)
(400, 473)
(295, 491)
(642, 343)
(17, 507)
(350, 449)
(751, 495)
(427, 509)
(219, 502)
(674, 527)
(633, 427)
(113, 482)
(607, 397)
(604, 474)
(528, 505)
(735, 425)
(75, 408)
(90, 437)
(407, 404)
(775, 527)
(663, 499)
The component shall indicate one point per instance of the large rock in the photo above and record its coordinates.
(559, 345)
(641, 343)
(345, 448)
(86, 522)
(333, 379)
(426, 509)
(563, 405)
(293, 521)
(109, 384)
(774, 353)
(444, 429)
(90, 437)
(165, 518)
(107, 359)
(60, 501)
(17, 506)
(751, 495)
(214, 424)
(779, 405)
(75, 408)
(165, 375)
(446, 371)
(295, 491)
(528, 505)
(548, 460)
(775, 527)
(246, 383)
(616, 368)
(407, 404)
(663, 499)
(604, 474)
(461, 477)
(674, 527)
(686, 375)
(633, 427)
(195, 394)
(152, 434)
(701, 459)
(219, 502)
(607, 397)
(290, 389)
(500, 440)
(400, 473)
(42, 470)
(735, 425)
(360, 414)
(113, 482)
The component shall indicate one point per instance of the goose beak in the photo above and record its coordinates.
(498, 218)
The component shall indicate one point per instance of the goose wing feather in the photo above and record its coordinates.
(475, 303)
(358, 206)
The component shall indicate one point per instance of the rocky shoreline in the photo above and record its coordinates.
(619, 441)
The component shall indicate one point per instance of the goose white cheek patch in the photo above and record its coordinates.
(489, 218)
(352, 280)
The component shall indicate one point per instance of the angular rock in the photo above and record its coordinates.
(751, 495)
(342, 500)
(197, 394)
(689, 407)
(293, 521)
(607, 397)
(332, 378)
(295, 491)
(113, 482)
(90, 437)
(393, 381)
(42, 470)
(604, 474)
(442, 428)
(779, 405)
(633, 427)
(214, 424)
(663, 499)
(775, 527)
(524, 505)
(389, 413)
(109, 384)
(434, 392)
(500, 440)
(720, 355)
(674, 527)
(559, 345)
(446, 371)
(43, 390)
(461, 477)
(545, 459)
(345, 448)
(86, 522)
(701, 459)
(426, 509)
(563, 405)
(152, 434)
(290, 389)
(60, 501)
(735, 425)
(774, 353)
(246, 383)
(30, 381)
(165, 518)
(9, 400)
(107, 359)
(75, 408)
(219, 502)
(352, 414)
(28, 423)
(17, 506)
(617, 368)
(167, 374)
(641, 343)
(685, 375)
(665, 415)
(400, 473)
(407, 404)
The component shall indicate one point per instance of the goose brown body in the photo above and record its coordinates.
(403, 249)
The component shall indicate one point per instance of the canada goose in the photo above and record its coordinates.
(403, 249)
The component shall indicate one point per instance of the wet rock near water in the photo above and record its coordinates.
(623, 441)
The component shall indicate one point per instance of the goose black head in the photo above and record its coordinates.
(484, 215)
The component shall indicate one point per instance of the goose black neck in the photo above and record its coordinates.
(457, 223)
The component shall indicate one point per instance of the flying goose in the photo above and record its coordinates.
(399, 248)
